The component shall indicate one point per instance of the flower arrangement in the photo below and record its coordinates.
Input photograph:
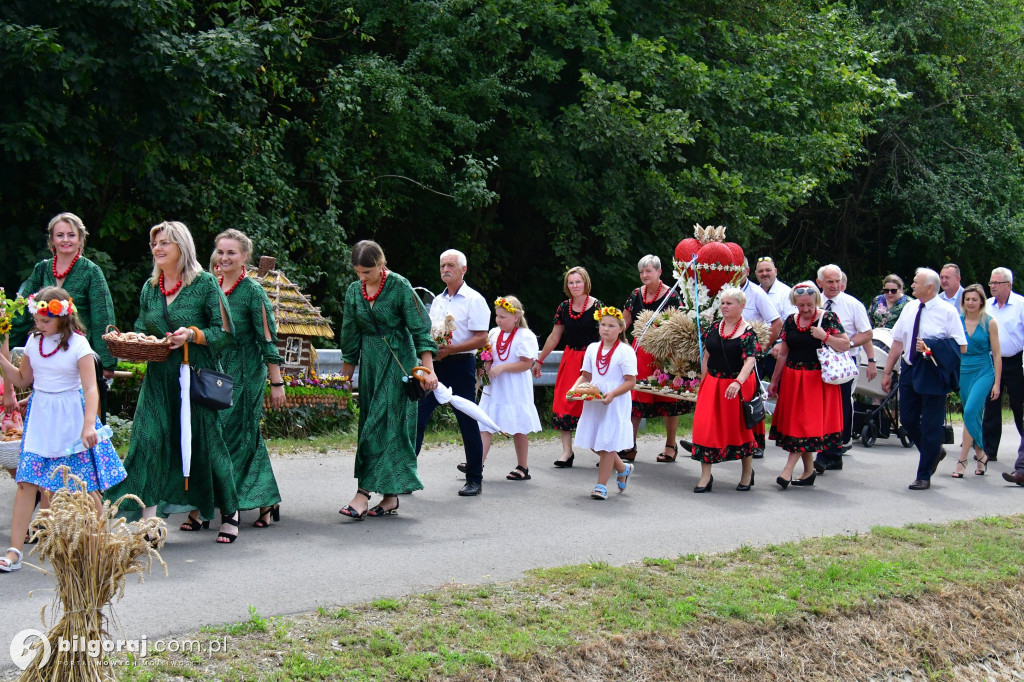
(607, 311)
(53, 307)
(314, 390)
(683, 384)
(483, 356)
(441, 330)
(9, 309)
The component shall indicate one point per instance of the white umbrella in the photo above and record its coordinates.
(185, 380)
(444, 394)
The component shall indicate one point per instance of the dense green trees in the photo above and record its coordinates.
(531, 134)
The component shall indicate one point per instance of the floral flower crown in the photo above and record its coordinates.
(53, 307)
(502, 303)
(607, 311)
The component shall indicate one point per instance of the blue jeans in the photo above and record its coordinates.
(922, 416)
(458, 372)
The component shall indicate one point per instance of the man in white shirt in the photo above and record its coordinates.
(952, 292)
(455, 363)
(1007, 308)
(778, 292)
(923, 406)
(854, 318)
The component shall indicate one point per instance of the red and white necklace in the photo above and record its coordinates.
(604, 361)
(237, 282)
(59, 275)
(504, 347)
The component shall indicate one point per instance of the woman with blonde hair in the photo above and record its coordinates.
(183, 303)
(576, 326)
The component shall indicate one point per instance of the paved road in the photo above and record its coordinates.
(315, 557)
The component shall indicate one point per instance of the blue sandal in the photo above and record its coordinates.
(623, 478)
(600, 492)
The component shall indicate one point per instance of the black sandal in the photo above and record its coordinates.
(982, 464)
(520, 473)
(662, 457)
(381, 511)
(628, 455)
(227, 538)
(349, 511)
(192, 524)
(273, 512)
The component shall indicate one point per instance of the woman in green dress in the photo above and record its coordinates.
(84, 281)
(184, 303)
(251, 356)
(384, 329)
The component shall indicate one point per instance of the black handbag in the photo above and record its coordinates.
(207, 388)
(947, 428)
(753, 409)
(413, 387)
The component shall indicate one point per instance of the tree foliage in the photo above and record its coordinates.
(531, 134)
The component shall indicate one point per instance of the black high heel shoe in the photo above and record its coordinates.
(227, 538)
(705, 488)
(806, 481)
(983, 463)
(274, 514)
(381, 511)
(783, 483)
(745, 488)
(565, 463)
(192, 524)
(349, 511)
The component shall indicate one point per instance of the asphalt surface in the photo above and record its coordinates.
(315, 557)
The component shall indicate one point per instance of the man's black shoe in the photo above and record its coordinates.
(920, 485)
(835, 465)
(819, 467)
(471, 488)
(942, 456)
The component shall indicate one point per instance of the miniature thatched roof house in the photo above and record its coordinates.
(297, 319)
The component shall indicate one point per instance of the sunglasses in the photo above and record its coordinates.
(803, 291)
(764, 259)
(890, 291)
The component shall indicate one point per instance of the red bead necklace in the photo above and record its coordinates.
(383, 278)
(52, 352)
(573, 314)
(237, 282)
(59, 275)
(505, 347)
(796, 321)
(721, 329)
(605, 361)
(643, 294)
(168, 292)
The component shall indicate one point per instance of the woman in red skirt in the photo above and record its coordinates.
(650, 296)
(808, 414)
(574, 324)
(720, 431)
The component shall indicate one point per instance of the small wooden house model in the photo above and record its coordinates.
(298, 320)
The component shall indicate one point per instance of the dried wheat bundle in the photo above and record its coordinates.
(640, 323)
(763, 330)
(672, 335)
(92, 555)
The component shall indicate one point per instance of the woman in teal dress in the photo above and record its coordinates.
(383, 304)
(980, 369)
(84, 282)
(184, 303)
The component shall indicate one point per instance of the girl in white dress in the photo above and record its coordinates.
(508, 399)
(60, 416)
(604, 426)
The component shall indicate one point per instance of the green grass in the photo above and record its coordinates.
(465, 630)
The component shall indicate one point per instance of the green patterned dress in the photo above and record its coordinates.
(154, 454)
(87, 285)
(386, 453)
(246, 360)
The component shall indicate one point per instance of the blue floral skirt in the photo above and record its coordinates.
(99, 467)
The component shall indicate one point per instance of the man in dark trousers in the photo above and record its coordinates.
(929, 338)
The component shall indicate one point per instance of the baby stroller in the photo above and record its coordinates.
(876, 415)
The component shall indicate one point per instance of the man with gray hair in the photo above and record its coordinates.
(455, 363)
(1007, 308)
(854, 318)
(929, 338)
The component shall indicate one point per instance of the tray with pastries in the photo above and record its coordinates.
(10, 448)
(135, 346)
(584, 391)
(666, 392)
